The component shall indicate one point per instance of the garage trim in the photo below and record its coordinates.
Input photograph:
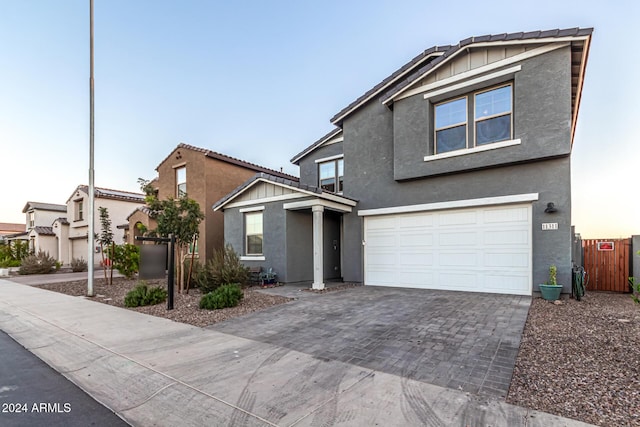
(467, 203)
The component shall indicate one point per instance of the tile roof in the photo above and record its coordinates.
(270, 178)
(144, 209)
(232, 160)
(295, 159)
(11, 227)
(410, 73)
(44, 231)
(44, 207)
(107, 193)
(62, 221)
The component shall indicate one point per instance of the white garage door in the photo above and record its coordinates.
(485, 249)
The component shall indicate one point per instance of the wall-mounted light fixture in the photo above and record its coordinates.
(551, 208)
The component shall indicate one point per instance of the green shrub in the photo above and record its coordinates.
(11, 254)
(224, 267)
(223, 297)
(78, 264)
(40, 263)
(142, 295)
(126, 259)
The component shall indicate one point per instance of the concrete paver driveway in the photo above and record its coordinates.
(460, 340)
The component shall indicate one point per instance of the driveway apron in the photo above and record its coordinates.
(460, 340)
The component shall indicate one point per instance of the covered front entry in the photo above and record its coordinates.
(326, 238)
(480, 249)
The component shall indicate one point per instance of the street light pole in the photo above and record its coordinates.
(91, 232)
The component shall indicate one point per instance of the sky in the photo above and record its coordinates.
(259, 80)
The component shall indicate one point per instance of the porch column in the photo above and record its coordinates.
(317, 247)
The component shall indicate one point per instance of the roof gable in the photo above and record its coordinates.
(228, 159)
(413, 71)
(334, 136)
(288, 188)
(108, 193)
(44, 207)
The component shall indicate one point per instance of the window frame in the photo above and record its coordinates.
(32, 219)
(471, 118)
(181, 183)
(247, 235)
(79, 210)
(338, 179)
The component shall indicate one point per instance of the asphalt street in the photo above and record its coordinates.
(33, 394)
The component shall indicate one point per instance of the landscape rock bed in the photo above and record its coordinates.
(186, 309)
(581, 360)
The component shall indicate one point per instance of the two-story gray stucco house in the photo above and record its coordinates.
(452, 173)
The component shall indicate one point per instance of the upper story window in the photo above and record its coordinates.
(253, 233)
(490, 113)
(181, 181)
(32, 219)
(331, 175)
(79, 210)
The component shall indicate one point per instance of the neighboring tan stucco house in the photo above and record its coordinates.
(205, 176)
(452, 173)
(71, 232)
(10, 229)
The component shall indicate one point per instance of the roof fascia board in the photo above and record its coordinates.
(467, 83)
(254, 183)
(327, 140)
(407, 92)
(583, 67)
(391, 82)
(336, 206)
(263, 200)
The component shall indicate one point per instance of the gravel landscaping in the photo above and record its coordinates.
(579, 360)
(186, 308)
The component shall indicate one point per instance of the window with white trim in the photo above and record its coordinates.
(79, 210)
(32, 219)
(490, 112)
(181, 181)
(331, 175)
(253, 233)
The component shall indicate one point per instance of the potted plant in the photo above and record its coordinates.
(551, 290)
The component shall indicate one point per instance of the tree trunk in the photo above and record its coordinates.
(193, 255)
(113, 251)
(104, 265)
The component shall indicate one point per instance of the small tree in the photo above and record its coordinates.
(180, 217)
(106, 241)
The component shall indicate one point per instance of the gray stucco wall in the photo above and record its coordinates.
(288, 241)
(541, 119)
(373, 162)
(308, 166)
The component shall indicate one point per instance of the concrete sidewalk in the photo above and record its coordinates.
(155, 372)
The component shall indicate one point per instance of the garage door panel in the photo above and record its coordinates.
(486, 249)
(421, 261)
(457, 218)
(417, 239)
(506, 215)
(505, 283)
(511, 259)
(506, 237)
(458, 239)
(469, 259)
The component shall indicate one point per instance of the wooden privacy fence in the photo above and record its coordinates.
(607, 261)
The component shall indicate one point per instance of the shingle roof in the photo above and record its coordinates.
(62, 221)
(44, 207)
(410, 73)
(270, 178)
(232, 160)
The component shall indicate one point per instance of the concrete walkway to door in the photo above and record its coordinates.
(460, 340)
